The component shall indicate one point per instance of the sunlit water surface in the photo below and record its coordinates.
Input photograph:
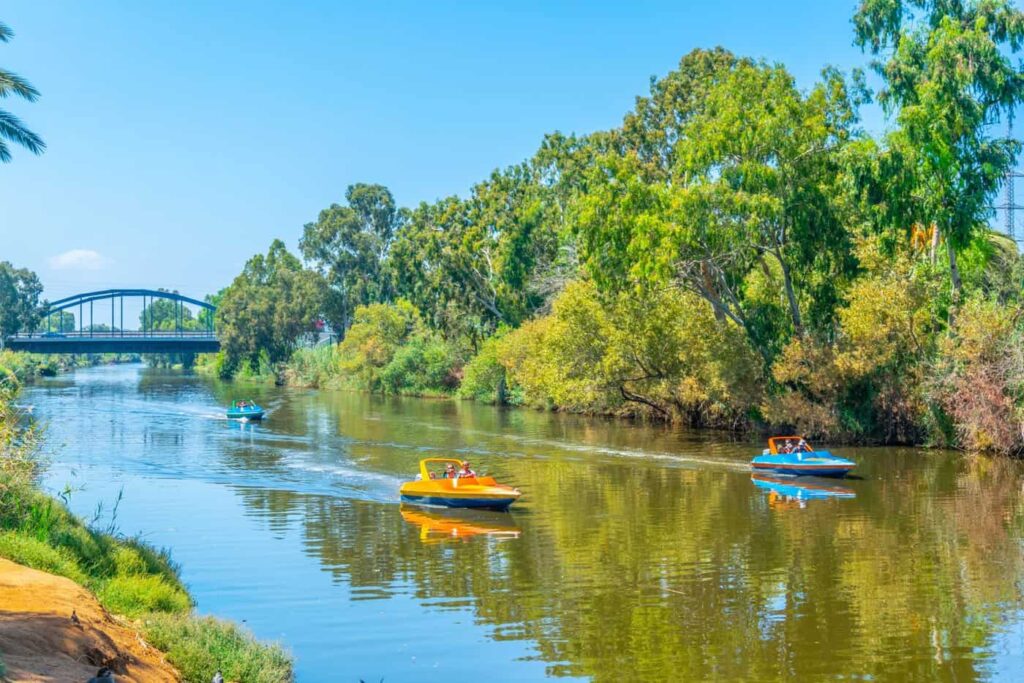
(637, 553)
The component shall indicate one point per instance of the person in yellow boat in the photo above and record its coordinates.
(449, 472)
(467, 471)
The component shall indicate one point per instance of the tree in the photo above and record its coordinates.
(58, 321)
(206, 316)
(948, 74)
(749, 204)
(19, 300)
(267, 308)
(162, 314)
(349, 244)
(11, 127)
(469, 265)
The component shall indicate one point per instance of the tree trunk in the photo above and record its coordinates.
(935, 242)
(502, 397)
(954, 276)
(794, 307)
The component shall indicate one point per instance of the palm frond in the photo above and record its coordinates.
(13, 84)
(5, 153)
(11, 128)
(5, 32)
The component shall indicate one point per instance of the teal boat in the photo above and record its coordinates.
(245, 410)
(793, 455)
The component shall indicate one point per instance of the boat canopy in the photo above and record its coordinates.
(425, 465)
(776, 441)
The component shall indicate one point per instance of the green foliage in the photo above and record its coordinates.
(424, 365)
(656, 352)
(375, 336)
(200, 646)
(11, 128)
(470, 265)
(20, 288)
(316, 367)
(737, 253)
(265, 310)
(867, 383)
(948, 71)
(349, 245)
(484, 378)
(749, 192)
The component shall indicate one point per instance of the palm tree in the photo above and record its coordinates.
(11, 127)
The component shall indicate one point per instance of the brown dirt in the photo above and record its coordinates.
(39, 642)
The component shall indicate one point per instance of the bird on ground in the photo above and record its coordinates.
(217, 678)
(104, 675)
(74, 618)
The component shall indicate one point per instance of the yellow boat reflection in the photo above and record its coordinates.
(437, 525)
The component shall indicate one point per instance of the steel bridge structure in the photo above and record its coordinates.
(148, 339)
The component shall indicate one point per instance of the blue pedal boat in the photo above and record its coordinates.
(245, 410)
(793, 455)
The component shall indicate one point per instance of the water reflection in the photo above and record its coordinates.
(439, 525)
(789, 492)
(636, 553)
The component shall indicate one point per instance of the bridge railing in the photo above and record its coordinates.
(117, 334)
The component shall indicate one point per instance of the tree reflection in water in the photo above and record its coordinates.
(633, 571)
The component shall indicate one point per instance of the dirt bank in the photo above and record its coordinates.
(40, 642)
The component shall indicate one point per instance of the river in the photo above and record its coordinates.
(637, 553)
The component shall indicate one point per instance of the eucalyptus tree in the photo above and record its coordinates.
(267, 308)
(12, 130)
(349, 245)
(470, 264)
(948, 74)
(746, 206)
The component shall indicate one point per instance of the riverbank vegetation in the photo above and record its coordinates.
(739, 253)
(129, 578)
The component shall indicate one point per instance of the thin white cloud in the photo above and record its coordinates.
(78, 259)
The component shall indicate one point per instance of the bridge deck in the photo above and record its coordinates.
(115, 342)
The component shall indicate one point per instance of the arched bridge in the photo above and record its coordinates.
(161, 329)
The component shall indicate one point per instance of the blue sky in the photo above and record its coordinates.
(183, 137)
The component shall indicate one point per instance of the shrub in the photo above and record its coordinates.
(979, 377)
(378, 330)
(201, 646)
(641, 353)
(483, 377)
(424, 365)
(868, 383)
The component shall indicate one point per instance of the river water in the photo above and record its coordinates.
(636, 553)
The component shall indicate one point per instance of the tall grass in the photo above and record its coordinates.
(201, 646)
(316, 367)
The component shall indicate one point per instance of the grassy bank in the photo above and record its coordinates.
(128, 577)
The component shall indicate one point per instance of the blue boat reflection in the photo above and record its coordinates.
(785, 492)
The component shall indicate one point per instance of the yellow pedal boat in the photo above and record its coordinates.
(456, 491)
